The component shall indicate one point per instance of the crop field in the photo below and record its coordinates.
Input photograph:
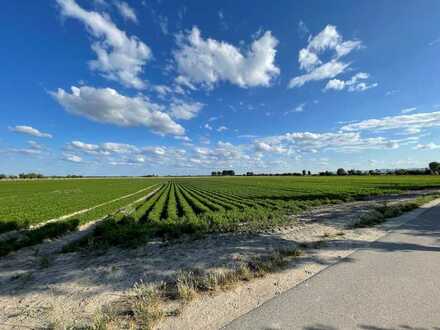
(24, 203)
(194, 205)
(171, 207)
(196, 197)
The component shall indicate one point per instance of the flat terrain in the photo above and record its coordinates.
(151, 230)
(391, 284)
(27, 202)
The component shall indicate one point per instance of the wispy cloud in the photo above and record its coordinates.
(29, 130)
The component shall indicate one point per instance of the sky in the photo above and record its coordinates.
(113, 87)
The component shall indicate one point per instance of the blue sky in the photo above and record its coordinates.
(112, 87)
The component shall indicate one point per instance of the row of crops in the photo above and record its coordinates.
(183, 200)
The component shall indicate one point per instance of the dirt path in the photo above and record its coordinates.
(68, 289)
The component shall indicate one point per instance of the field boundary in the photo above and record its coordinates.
(66, 216)
(90, 208)
(86, 228)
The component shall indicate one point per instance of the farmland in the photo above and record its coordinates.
(24, 203)
(181, 205)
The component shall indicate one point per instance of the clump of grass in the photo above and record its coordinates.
(187, 285)
(146, 305)
(382, 213)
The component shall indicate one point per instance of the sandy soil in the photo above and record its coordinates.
(39, 288)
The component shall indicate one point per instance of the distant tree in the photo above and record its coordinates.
(434, 167)
(250, 173)
(228, 172)
(309, 173)
(341, 171)
(304, 172)
(3, 176)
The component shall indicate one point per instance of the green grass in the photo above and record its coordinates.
(24, 203)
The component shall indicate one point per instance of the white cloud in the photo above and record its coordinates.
(126, 11)
(86, 147)
(208, 61)
(428, 146)
(183, 138)
(119, 148)
(328, 39)
(352, 85)
(335, 84)
(325, 71)
(182, 110)
(29, 131)
(408, 110)
(299, 108)
(106, 148)
(72, 158)
(312, 142)
(158, 151)
(222, 128)
(162, 90)
(208, 127)
(266, 147)
(413, 121)
(119, 57)
(106, 105)
(25, 151)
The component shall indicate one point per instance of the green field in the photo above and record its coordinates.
(217, 199)
(190, 204)
(174, 206)
(24, 203)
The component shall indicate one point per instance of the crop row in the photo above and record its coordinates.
(176, 200)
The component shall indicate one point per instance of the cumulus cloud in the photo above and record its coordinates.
(328, 39)
(266, 147)
(183, 110)
(119, 57)
(340, 141)
(23, 129)
(126, 11)
(355, 84)
(325, 71)
(72, 158)
(209, 61)
(413, 121)
(106, 105)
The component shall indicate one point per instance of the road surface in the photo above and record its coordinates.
(394, 283)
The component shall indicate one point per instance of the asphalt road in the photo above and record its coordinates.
(392, 284)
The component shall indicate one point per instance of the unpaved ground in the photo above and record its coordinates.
(39, 289)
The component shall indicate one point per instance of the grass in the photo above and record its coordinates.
(382, 213)
(24, 203)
